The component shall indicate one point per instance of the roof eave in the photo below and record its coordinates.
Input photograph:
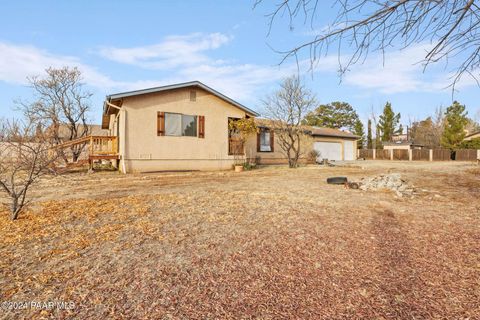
(179, 86)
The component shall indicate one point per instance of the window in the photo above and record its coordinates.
(177, 124)
(265, 140)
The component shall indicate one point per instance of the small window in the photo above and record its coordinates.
(177, 124)
(193, 95)
(265, 140)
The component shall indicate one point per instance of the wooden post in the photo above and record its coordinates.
(374, 154)
(391, 154)
(91, 145)
(430, 155)
(410, 156)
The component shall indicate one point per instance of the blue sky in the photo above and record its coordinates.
(125, 45)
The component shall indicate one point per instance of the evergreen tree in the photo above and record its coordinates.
(455, 122)
(388, 122)
(359, 131)
(369, 135)
(337, 115)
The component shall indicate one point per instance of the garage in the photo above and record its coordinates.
(334, 144)
(328, 150)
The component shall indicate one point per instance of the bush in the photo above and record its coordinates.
(313, 155)
(471, 144)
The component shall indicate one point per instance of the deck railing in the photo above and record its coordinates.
(96, 145)
(103, 145)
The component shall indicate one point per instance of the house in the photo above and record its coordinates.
(175, 127)
(471, 136)
(401, 144)
(332, 144)
(185, 127)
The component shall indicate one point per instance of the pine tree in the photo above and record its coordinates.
(369, 135)
(337, 115)
(455, 122)
(388, 122)
(359, 131)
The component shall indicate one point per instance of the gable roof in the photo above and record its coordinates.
(180, 86)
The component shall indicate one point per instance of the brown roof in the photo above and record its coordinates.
(330, 132)
(315, 131)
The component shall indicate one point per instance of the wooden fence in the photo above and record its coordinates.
(365, 154)
(441, 155)
(420, 154)
(466, 155)
(400, 154)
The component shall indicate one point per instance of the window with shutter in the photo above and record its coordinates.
(177, 124)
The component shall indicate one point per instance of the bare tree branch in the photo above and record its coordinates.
(365, 26)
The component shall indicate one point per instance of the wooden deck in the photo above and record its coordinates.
(97, 147)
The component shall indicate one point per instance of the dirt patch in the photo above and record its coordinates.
(270, 243)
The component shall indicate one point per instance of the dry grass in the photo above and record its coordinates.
(271, 243)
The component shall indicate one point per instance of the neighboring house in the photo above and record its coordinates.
(471, 136)
(395, 145)
(176, 127)
(329, 143)
(401, 141)
(92, 130)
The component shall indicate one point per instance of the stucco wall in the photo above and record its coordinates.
(278, 156)
(397, 147)
(145, 151)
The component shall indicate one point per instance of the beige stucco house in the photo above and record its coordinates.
(175, 127)
(185, 127)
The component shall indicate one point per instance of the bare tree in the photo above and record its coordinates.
(286, 109)
(25, 156)
(363, 26)
(61, 107)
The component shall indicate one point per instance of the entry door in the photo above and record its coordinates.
(328, 150)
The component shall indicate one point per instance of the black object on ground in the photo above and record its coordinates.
(337, 180)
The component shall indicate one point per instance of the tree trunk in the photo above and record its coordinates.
(15, 209)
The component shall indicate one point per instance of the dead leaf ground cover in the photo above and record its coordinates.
(270, 243)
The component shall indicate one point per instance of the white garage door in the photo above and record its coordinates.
(328, 150)
(348, 148)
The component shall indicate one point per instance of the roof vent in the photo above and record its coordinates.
(193, 95)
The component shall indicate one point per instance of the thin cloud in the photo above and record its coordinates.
(18, 62)
(172, 52)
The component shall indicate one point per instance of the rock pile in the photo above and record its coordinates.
(392, 181)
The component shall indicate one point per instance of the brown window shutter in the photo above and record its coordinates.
(258, 141)
(201, 126)
(160, 123)
(272, 140)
